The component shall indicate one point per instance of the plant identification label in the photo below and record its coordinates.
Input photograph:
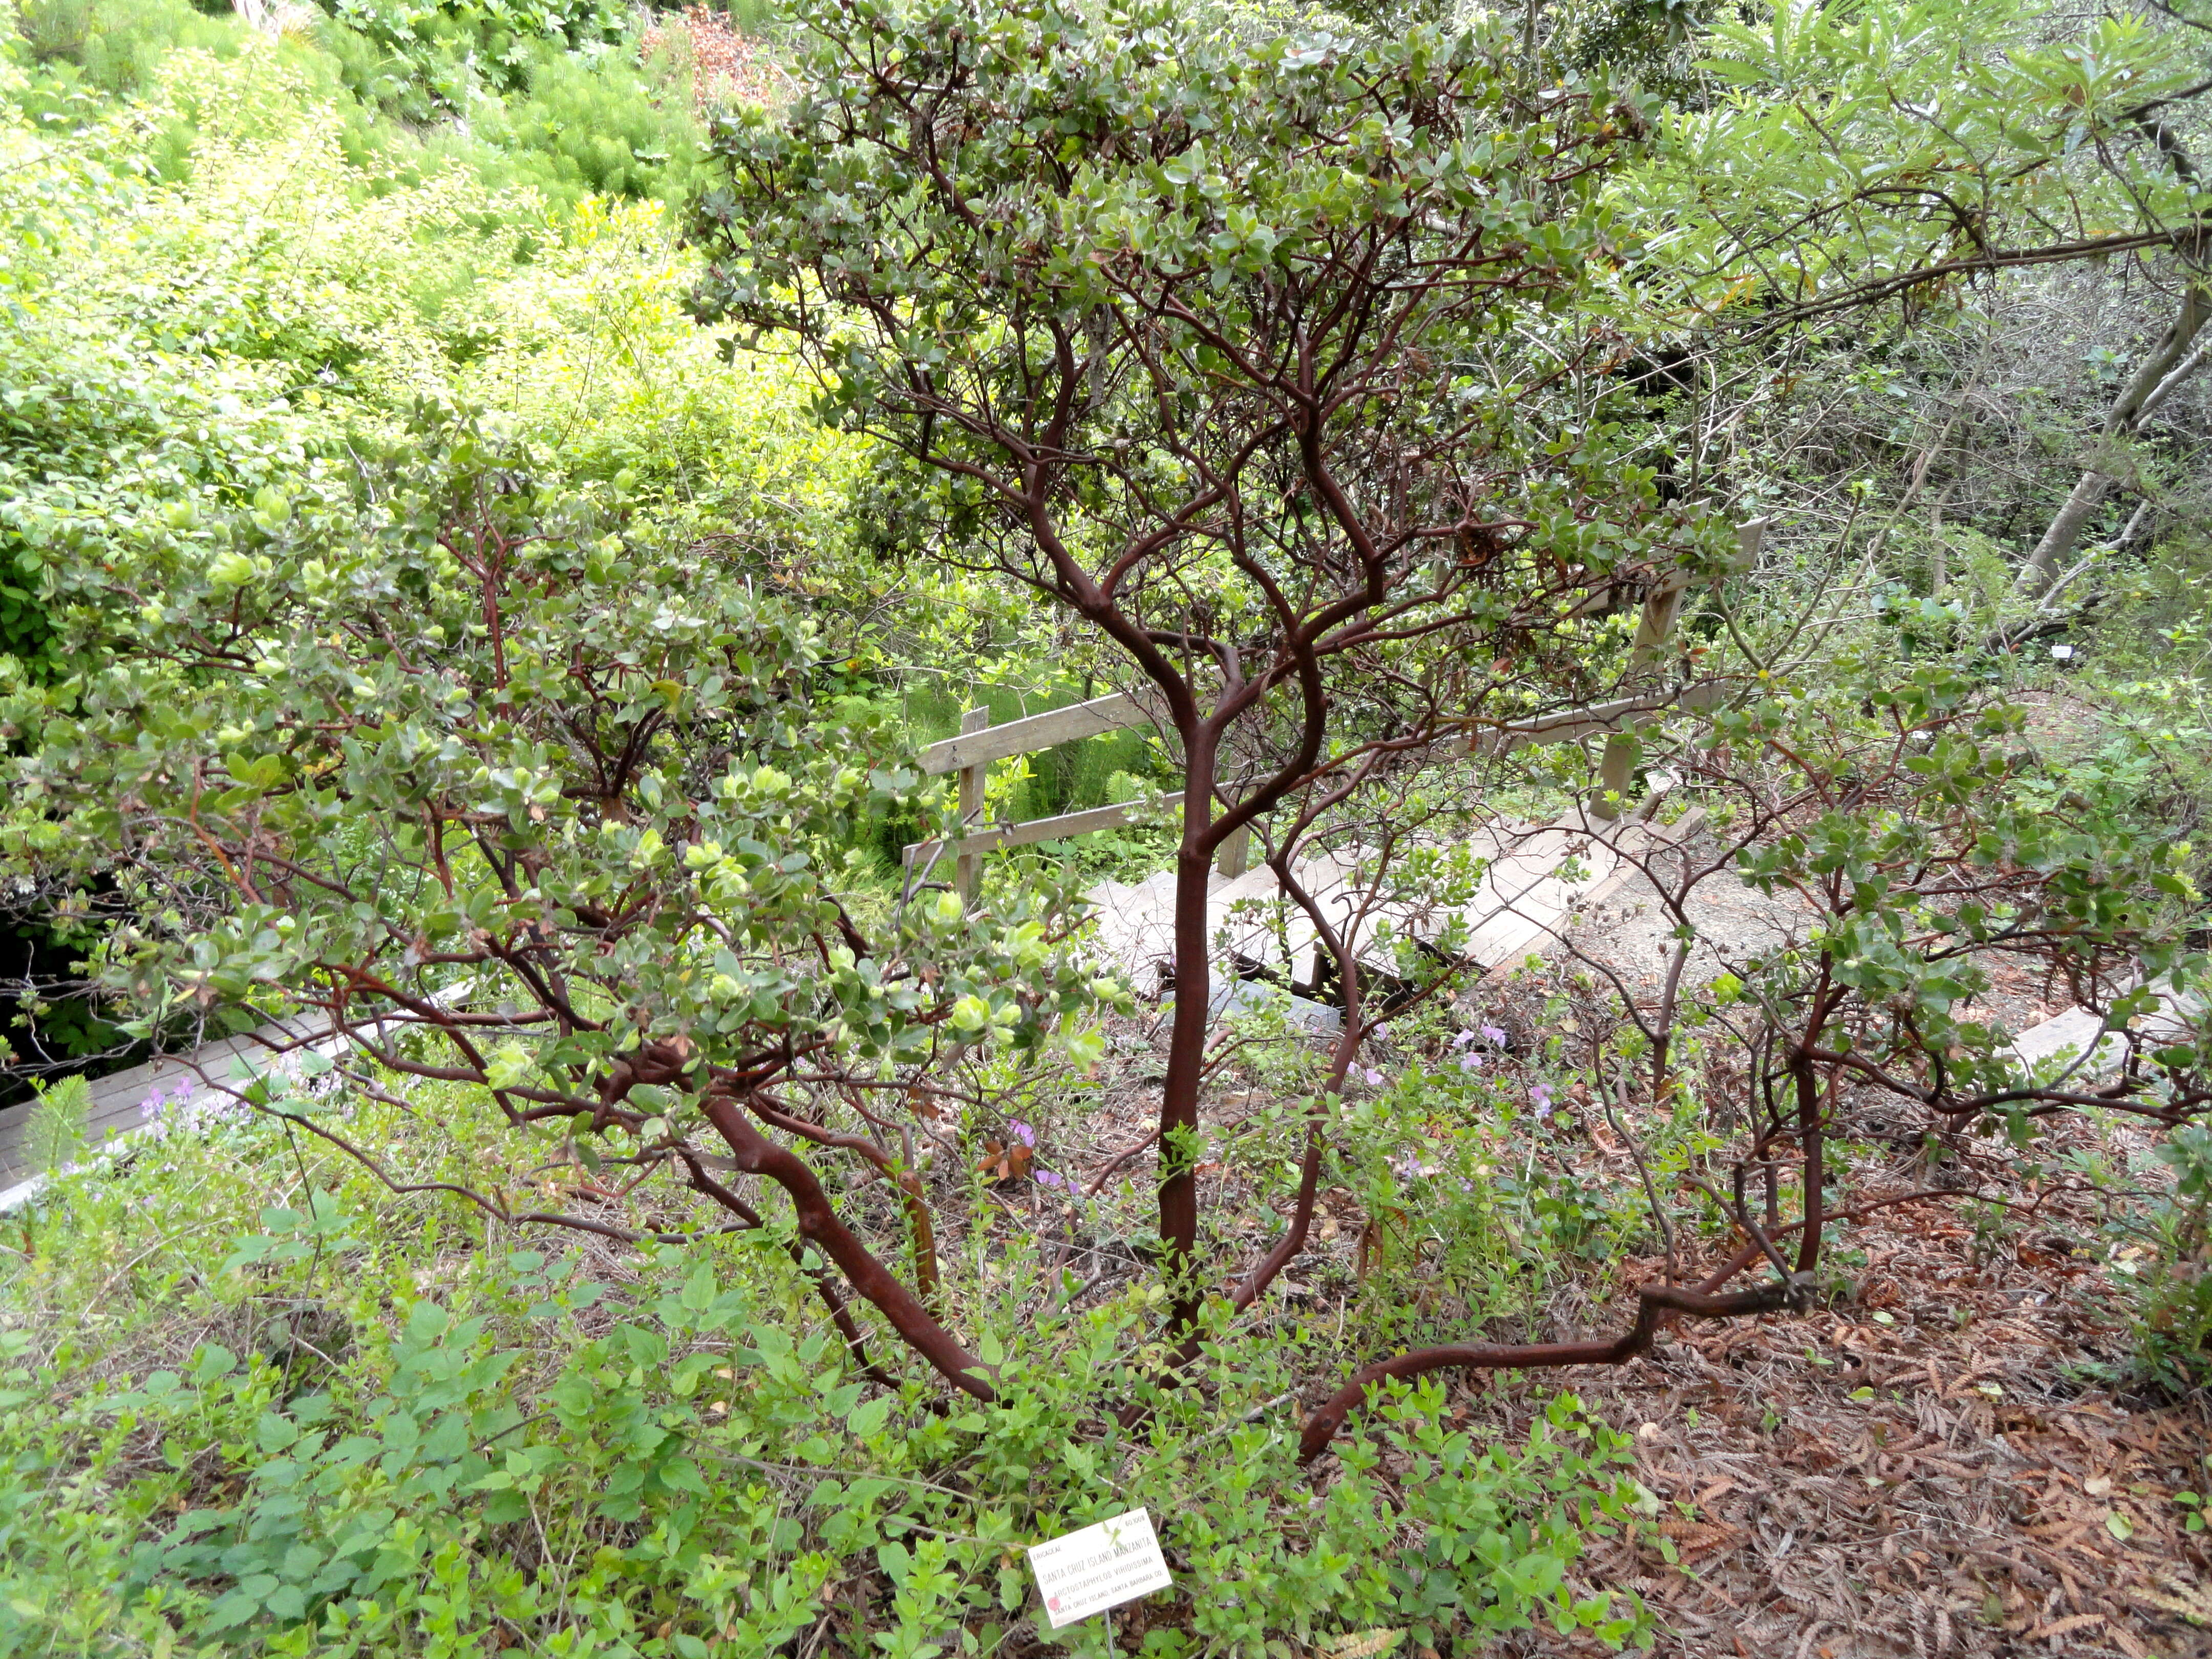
(1099, 1567)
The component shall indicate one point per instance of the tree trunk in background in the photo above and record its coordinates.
(1939, 560)
(2169, 363)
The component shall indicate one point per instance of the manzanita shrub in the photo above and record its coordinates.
(1273, 368)
(449, 764)
(447, 760)
(446, 766)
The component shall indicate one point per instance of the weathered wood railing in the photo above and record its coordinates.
(979, 742)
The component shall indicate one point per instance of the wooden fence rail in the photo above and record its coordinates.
(979, 742)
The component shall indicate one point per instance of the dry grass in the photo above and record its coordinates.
(721, 65)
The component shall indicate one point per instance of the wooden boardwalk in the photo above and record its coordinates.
(1522, 901)
(121, 1100)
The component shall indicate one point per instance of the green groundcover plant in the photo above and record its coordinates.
(307, 1417)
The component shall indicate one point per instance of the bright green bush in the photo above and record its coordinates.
(590, 124)
(556, 102)
(208, 296)
(172, 347)
(426, 62)
(116, 47)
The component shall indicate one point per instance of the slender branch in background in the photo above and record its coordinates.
(2164, 368)
(1643, 1170)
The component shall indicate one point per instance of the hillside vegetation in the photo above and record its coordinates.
(496, 499)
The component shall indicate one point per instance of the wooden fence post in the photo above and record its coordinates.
(1615, 768)
(1663, 608)
(1236, 854)
(1615, 771)
(971, 803)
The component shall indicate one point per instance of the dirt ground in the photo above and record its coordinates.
(1628, 929)
(1919, 1472)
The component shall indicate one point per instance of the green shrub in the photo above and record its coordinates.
(582, 124)
(428, 62)
(350, 1422)
(272, 300)
(115, 47)
(2171, 1278)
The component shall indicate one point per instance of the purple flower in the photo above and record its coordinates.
(1022, 1132)
(1494, 1035)
(1381, 1034)
(1374, 1077)
(1461, 1039)
(188, 1109)
(1540, 1097)
(1060, 1184)
(156, 1105)
(1470, 1062)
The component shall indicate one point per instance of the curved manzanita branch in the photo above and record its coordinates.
(912, 1196)
(856, 1343)
(755, 1154)
(1654, 1303)
(1293, 1240)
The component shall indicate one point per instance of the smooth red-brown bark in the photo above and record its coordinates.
(1654, 1303)
(755, 1154)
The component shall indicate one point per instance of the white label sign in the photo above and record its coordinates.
(1099, 1567)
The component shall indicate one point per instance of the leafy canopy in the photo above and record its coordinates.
(1113, 267)
(450, 747)
(1851, 149)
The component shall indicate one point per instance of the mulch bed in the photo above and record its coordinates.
(1944, 1483)
(1933, 1464)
